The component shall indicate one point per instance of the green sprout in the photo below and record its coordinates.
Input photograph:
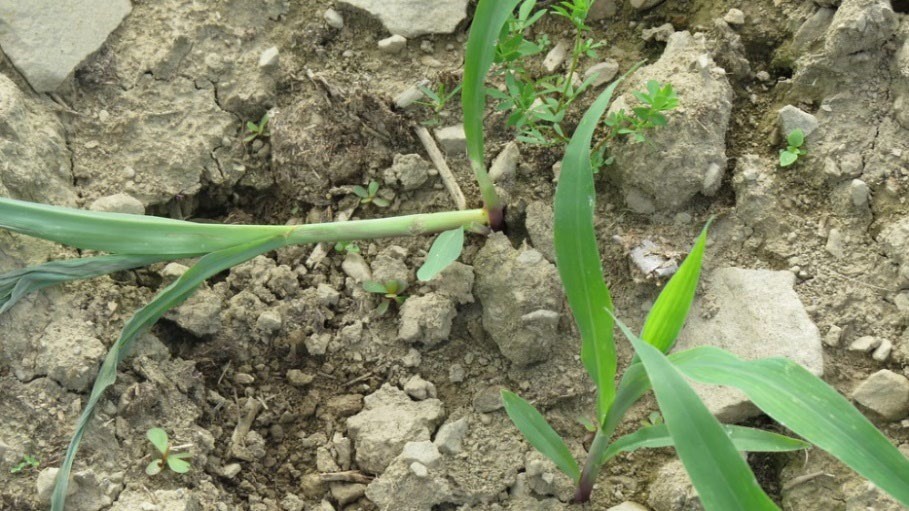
(347, 247)
(257, 130)
(791, 154)
(368, 195)
(709, 451)
(391, 291)
(176, 461)
(437, 100)
(28, 461)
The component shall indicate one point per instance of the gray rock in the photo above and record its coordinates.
(860, 25)
(70, 358)
(604, 72)
(504, 165)
(835, 245)
(388, 421)
(645, 4)
(752, 314)
(882, 352)
(455, 282)
(423, 452)
(181, 499)
(452, 139)
(333, 18)
(864, 344)
(673, 167)
(539, 223)
(603, 9)
(412, 18)
(734, 17)
(347, 493)
(834, 336)
(199, 315)
(46, 481)
(544, 478)
(269, 59)
(118, 203)
(47, 39)
(792, 118)
(270, 321)
(419, 389)
(409, 170)
(34, 160)
(411, 95)
(356, 268)
(885, 393)
(661, 33)
(488, 399)
(394, 44)
(87, 490)
(292, 502)
(672, 490)
(451, 435)
(860, 193)
(895, 240)
(514, 286)
(389, 265)
(556, 56)
(650, 260)
(426, 319)
(409, 486)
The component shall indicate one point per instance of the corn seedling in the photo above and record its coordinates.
(257, 130)
(28, 462)
(133, 241)
(710, 451)
(176, 461)
(390, 291)
(368, 195)
(794, 149)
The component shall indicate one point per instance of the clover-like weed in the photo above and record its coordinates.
(28, 462)
(794, 142)
(391, 292)
(176, 461)
(368, 195)
(257, 130)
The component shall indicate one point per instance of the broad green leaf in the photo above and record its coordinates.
(540, 434)
(787, 158)
(802, 402)
(722, 478)
(796, 137)
(488, 19)
(382, 308)
(127, 234)
(171, 296)
(158, 438)
(578, 258)
(382, 203)
(177, 465)
(744, 439)
(445, 250)
(373, 188)
(18, 283)
(360, 192)
(154, 468)
(666, 318)
(374, 286)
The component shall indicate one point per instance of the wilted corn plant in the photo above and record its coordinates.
(784, 390)
(133, 241)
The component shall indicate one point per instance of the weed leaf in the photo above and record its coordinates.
(802, 402)
(158, 438)
(374, 286)
(445, 250)
(169, 297)
(722, 478)
(796, 137)
(178, 465)
(666, 318)
(787, 158)
(540, 434)
(154, 468)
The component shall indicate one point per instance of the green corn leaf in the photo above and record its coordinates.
(802, 402)
(578, 258)
(18, 283)
(722, 478)
(154, 468)
(666, 318)
(744, 439)
(787, 158)
(126, 234)
(540, 434)
(796, 138)
(374, 286)
(169, 297)
(445, 250)
(158, 438)
(178, 465)
(488, 19)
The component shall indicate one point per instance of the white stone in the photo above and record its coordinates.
(882, 353)
(333, 18)
(393, 44)
(885, 393)
(425, 453)
(419, 470)
(753, 314)
(792, 118)
(451, 435)
(865, 344)
(833, 337)
(645, 4)
(504, 165)
(118, 203)
(735, 17)
(556, 56)
(412, 18)
(604, 72)
(860, 193)
(452, 139)
(269, 59)
(47, 39)
(419, 389)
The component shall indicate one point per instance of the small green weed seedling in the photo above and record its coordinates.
(28, 461)
(650, 115)
(791, 154)
(257, 130)
(368, 195)
(347, 247)
(390, 290)
(436, 100)
(709, 451)
(176, 461)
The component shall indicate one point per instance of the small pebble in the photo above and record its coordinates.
(735, 17)
(393, 44)
(334, 19)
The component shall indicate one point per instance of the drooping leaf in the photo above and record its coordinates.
(721, 477)
(666, 318)
(796, 137)
(127, 234)
(155, 467)
(802, 402)
(445, 250)
(171, 296)
(158, 438)
(578, 258)
(744, 439)
(540, 434)
(16, 284)
(178, 465)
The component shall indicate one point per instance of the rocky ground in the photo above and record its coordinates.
(293, 392)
